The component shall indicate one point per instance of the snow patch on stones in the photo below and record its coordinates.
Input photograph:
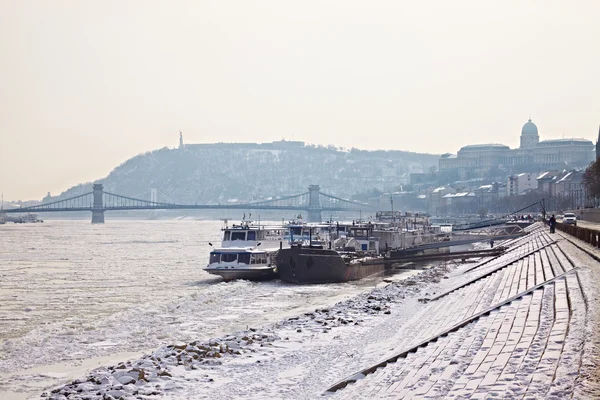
(153, 375)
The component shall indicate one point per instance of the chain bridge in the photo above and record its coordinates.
(313, 202)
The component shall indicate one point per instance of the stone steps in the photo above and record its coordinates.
(515, 330)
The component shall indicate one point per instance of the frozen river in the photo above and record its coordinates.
(74, 296)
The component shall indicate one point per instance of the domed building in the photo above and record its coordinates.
(529, 135)
(532, 155)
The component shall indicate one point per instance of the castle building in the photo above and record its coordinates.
(532, 155)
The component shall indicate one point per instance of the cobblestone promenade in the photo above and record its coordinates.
(521, 325)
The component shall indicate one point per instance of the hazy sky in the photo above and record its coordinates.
(85, 85)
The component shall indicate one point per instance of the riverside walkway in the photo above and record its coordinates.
(521, 325)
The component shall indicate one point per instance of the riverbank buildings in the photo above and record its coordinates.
(532, 156)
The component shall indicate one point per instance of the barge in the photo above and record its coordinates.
(355, 256)
(317, 265)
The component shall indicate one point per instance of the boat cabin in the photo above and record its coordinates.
(308, 234)
(226, 257)
(246, 235)
(442, 228)
(243, 235)
(363, 235)
(298, 232)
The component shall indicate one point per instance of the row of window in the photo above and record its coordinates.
(252, 235)
(229, 235)
(243, 258)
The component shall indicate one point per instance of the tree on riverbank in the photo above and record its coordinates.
(591, 179)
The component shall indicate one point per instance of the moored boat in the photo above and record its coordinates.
(317, 265)
(353, 257)
(27, 218)
(239, 256)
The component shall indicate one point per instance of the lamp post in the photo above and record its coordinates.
(561, 200)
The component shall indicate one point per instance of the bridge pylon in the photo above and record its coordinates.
(154, 199)
(98, 205)
(314, 204)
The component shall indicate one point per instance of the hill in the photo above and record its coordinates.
(216, 173)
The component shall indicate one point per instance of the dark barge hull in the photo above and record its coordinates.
(310, 265)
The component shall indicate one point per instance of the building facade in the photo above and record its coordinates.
(521, 183)
(533, 155)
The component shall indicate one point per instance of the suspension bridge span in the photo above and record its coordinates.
(313, 202)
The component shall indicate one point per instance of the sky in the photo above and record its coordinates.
(85, 85)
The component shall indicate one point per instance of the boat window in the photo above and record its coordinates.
(297, 230)
(238, 235)
(214, 258)
(244, 258)
(252, 235)
(228, 257)
(227, 235)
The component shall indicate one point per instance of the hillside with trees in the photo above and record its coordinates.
(222, 172)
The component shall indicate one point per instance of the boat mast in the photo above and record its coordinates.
(393, 216)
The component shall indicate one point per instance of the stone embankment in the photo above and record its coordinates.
(523, 325)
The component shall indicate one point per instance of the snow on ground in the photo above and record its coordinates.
(297, 357)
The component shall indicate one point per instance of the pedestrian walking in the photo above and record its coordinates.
(552, 224)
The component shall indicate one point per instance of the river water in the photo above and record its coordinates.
(75, 296)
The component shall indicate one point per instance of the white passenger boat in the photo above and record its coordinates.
(242, 263)
(247, 251)
(30, 218)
